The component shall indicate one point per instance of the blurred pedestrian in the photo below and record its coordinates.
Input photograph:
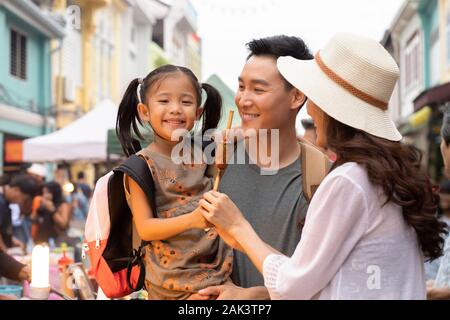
(83, 186)
(310, 131)
(440, 287)
(52, 214)
(445, 139)
(80, 205)
(38, 171)
(20, 190)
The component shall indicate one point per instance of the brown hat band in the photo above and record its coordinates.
(347, 86)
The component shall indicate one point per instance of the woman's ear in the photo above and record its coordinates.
(298, 99)
(144, 113)
(199, 113)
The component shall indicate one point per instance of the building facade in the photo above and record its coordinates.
(26, 102)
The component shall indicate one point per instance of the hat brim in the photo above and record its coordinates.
(336, 101)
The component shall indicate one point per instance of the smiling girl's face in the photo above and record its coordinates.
(172, 104)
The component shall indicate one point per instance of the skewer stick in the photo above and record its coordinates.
(221, 167)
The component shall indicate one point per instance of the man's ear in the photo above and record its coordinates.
(199, 113)
(144, 113)
(298, 99)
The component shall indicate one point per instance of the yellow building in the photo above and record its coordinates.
(87, 61)
(444, 26)
(86, 65)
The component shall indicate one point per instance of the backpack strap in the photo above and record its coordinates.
(136, 168)
(315, 166)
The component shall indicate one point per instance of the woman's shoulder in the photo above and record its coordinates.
(352, 172)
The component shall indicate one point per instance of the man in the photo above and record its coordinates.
(12, 269)
(20, 190)
(273, 204)
(81, 183)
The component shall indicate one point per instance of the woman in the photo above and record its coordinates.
(52, 218)
(373, 219)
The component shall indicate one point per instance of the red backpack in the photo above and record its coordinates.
(118, 268)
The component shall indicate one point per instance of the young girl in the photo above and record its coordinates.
(183, 255)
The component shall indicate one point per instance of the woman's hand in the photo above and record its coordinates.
(229, 240)
(218, 209)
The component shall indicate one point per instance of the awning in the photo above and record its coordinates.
(83, 140)
(433, 96)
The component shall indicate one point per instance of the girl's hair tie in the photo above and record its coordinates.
(138, 90)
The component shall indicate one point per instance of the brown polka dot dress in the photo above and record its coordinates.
(195, 259)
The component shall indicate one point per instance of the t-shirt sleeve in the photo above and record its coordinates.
(335, 222)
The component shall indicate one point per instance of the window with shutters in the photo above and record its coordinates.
(18, 54)
(412, 62)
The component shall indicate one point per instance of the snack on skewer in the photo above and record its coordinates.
(221, 166)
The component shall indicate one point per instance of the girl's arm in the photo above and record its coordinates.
(150, 228)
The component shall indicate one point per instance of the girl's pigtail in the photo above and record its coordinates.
(127, 120)
(212, 110)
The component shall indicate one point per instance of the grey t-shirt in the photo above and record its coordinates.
(273, 204)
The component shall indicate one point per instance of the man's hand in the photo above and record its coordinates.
(25, 274)
(220, 210)
(438, 293)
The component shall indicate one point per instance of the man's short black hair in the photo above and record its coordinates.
(280, 46)
(27, 184)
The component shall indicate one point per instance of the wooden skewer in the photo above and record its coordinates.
(221, 167)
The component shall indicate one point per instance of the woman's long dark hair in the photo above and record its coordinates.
(56, 191)
(128, 117)
(396, 168)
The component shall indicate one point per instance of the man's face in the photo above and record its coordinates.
(262, 99)
(15, 195)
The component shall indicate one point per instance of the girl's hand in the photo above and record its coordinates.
(198, 221)
(222, 212)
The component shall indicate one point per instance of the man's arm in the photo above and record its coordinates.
(10, 267)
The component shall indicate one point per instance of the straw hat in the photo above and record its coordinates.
(351, 79)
